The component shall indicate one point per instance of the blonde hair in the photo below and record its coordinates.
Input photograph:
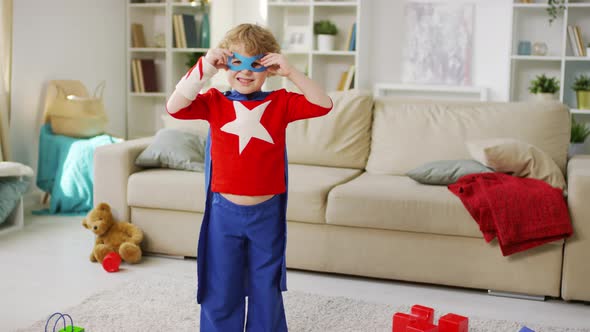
(255, 39)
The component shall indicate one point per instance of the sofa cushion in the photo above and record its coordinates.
(339, 139)
(308, 190)
(167, 189)
(517, 158)
(408, 133)
(399, 203)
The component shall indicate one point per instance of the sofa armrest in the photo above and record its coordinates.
(576, 270)
(113, 164)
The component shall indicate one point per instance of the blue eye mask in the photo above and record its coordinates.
(246, 62)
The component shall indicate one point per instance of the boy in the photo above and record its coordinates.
(242, 242)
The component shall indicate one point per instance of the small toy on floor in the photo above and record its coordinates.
(421, 319)
(111, 262)
(121, 237)
(69, 328)
(525, 329)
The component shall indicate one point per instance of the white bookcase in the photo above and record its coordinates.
(144, 110)
(530, 22)
(324, 67)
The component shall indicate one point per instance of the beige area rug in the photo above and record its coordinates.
(164, 303)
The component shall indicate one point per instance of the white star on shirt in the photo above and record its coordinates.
(247, 124)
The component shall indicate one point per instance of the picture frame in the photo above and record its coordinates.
(296, 38)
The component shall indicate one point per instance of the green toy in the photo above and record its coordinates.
(70, 328)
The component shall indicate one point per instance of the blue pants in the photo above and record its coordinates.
(244, 255)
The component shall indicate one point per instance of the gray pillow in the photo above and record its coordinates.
(176, 149)
(445, 172)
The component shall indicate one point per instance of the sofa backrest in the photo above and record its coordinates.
(407, 133)
(339, 139)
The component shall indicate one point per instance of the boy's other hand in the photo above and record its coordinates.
(218, 57)
(277, 64)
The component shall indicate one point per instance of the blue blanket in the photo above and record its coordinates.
(65, 170)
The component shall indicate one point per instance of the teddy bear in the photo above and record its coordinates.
(112, 236)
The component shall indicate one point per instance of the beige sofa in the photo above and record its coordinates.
(353, 211)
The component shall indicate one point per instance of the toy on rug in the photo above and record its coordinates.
(421, 319)
(69, 328)
(111, 262)
(111, 236)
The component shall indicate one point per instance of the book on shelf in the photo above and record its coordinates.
(137, 35)
(349, 37)
(352, 42)
(134, 76)
(144, 76)
(576, 42)
(174, 32)
(342, 81)
(349, 81)
(190, 31)
(182, 32)
(580, 41)
(573, 41)
(140, 76)
(148, 70)
(178, 31)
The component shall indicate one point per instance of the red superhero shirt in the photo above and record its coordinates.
(248, 138)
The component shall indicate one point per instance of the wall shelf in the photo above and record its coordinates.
(560, 62)
(327, 68)
(144, 109)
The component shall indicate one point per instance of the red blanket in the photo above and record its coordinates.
(523, 213)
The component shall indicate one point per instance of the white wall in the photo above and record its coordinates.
(64, 39)
(491, 43)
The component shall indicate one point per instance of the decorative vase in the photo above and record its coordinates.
(325, 43)
(575, 148)
(583, 99)
(544, 96)
(524, 47)
(539, 48)
(205, 33)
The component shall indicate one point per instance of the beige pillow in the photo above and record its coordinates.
(518, 158)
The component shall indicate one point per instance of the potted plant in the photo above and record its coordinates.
(326, 31)
(582, 88)
(578, 136)
(544, 88)
(556, 7)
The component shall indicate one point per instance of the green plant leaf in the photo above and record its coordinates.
(579, 132)
(544, 84)
(581, 83)
(325, 27)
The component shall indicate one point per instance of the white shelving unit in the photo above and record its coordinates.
(326, 68)
(530, 22)
(144, 110)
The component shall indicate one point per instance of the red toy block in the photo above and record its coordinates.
(453, 323)
(401, 321)
(425, 313)
(421, 326)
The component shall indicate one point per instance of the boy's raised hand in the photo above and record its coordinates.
(277, 64)
(218, 57)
